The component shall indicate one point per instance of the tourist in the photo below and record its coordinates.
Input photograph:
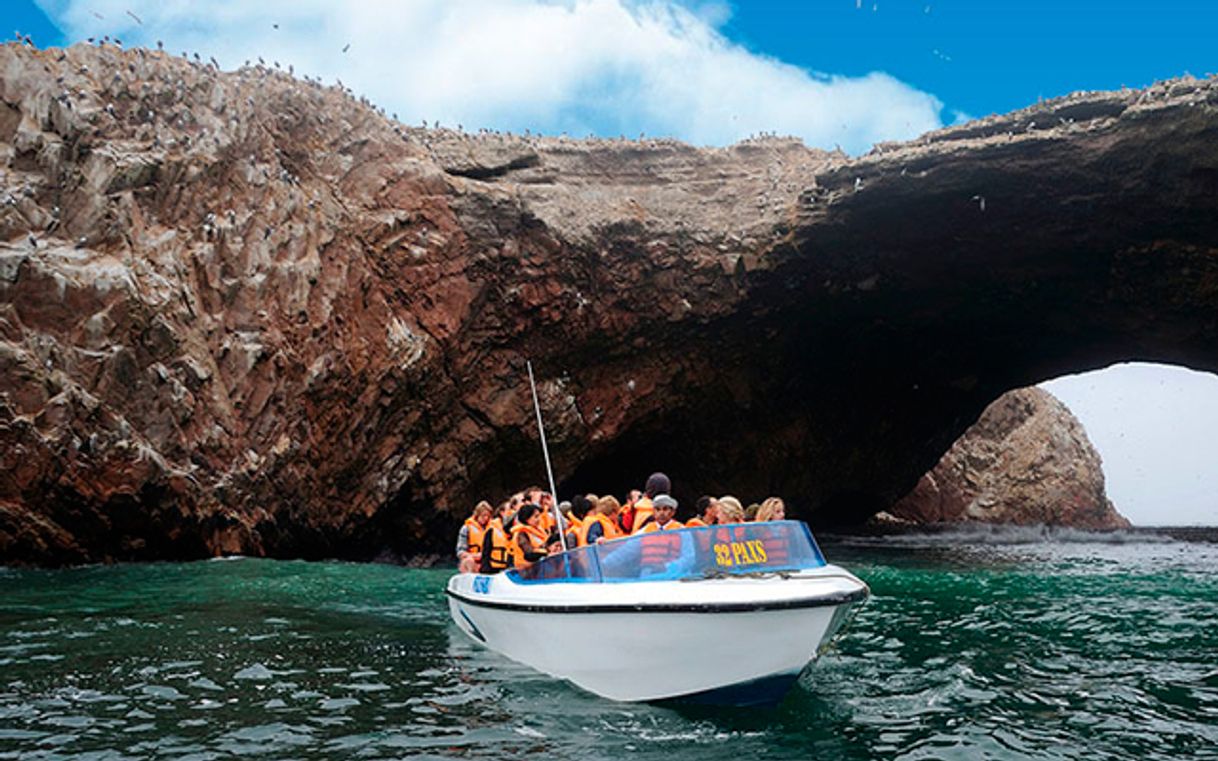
(774, 540)
(665, 509)
(625, 518)
(772, 509)
(750, 512)
(529, 540)
(580, 504)
(496, 542)
(705, 510)
(729, 511)
(644, 510)
(469, 538)
(602, 524)
(655, 551)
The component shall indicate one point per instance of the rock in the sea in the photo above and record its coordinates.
(1026, 461)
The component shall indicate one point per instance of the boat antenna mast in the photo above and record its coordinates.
(545, 451)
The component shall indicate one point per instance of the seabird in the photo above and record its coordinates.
(980, 202)
(346, 47)
(137, 18)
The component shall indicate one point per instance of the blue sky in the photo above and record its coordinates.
(975, 56)
(842, 73)
(1003, 55)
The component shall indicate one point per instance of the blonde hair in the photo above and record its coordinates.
(608, 505)
(483, 507)
(730, 510)
(768, 508)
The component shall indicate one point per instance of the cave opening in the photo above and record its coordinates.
(1153, 426)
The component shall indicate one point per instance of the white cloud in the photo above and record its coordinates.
(603, 66)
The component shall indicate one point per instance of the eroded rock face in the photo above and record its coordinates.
(1026, 461)
(244, 313)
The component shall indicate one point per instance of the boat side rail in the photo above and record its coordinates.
(691, 553)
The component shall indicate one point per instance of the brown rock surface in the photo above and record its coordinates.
(244, 313)
(1026, 461)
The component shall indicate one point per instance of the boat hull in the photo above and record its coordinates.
(739, 641)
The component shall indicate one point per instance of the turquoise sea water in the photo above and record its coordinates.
(971, 647)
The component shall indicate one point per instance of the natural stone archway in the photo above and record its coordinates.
(256, 316)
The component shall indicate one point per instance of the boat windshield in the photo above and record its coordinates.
(691, 553)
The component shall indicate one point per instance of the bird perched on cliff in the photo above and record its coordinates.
(980, 202)
(858, 184)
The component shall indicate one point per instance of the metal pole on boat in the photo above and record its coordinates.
(562, 537)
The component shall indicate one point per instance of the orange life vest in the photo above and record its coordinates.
(575, 528)
(475, 534)
(496, 543)
(537, 540)
(547, 520)
(608, 526)
(643, 511)
(653, 526)
(695, 522)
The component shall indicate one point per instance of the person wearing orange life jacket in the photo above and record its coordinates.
(601, 523)
(644, 510)
(705, 511)
(659, 547)
(529, 541)
(496, 542)
(776, 549)
(546, 503)
(575, 519)
(665, 509)
(469, 538)
(625, 518)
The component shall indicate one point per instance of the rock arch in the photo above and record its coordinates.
(259, 312)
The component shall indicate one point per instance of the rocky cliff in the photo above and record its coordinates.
(1026, 461)
(241, 312)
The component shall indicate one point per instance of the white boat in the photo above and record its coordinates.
(724, 614)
